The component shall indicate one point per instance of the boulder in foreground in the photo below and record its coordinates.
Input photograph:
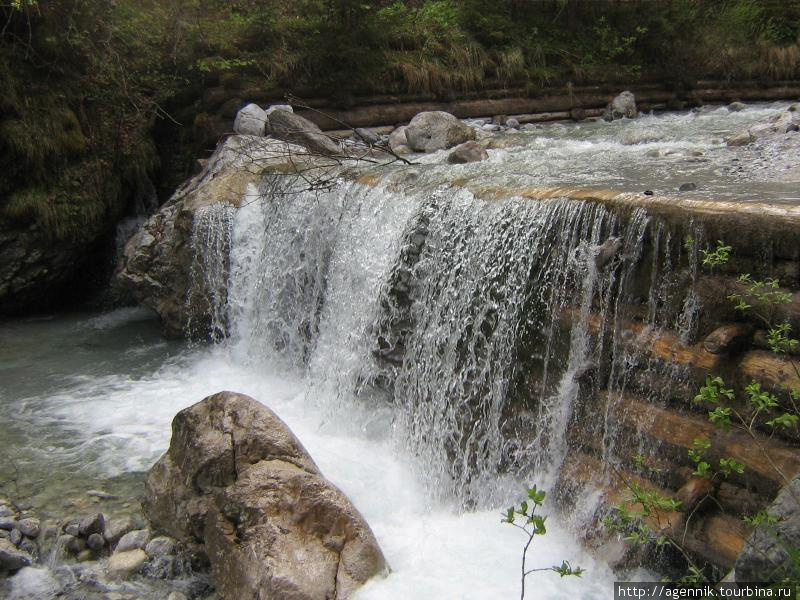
(236, 480)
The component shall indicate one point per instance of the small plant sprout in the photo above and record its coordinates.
(524, 518)
(718, 256)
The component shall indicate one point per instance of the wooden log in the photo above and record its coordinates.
(713, 537)
(769, 368)
(769, 460)
(728, 338)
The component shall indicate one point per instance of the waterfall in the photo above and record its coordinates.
(478, 325)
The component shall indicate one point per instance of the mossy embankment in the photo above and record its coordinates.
(107, 104)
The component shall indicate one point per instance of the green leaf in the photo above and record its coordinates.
(785, 420)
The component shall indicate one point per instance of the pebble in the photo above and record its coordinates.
(85, 555)
(134, 540)
(159, 546)
(73, 529)
(92, 524)
(72, 544)
(15, 537)
(116, 528)
(11, 558)
(101, 494)
(687, 187)
(30, 547)
(96, 542)
(30, 527)
(512, 123)
(124, 564)
(8, 523)
(6, 511)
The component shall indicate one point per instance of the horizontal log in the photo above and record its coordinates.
(770, 460)
(728, 338)
(770, 369)
(712, 537)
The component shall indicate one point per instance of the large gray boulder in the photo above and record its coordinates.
(621, 107)
(236, 480)
(767, 553)
(290, 127)
(250, 120)
(778, 124)
(437, 130)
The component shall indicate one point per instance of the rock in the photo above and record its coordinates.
(740, 139)
(499, 119)
(736, 106)
(693, 492)
(687, 187)
(72, 544)
(8, 523)
(15, 537)
(100, 493)
(577, 114)
(92, 524)
(250, 120)
(398, 143)
(164, 567)
(512, 123)
(6, 511)
(155, 264)
(134, 540)
(467, 152)
(30, 547)
(11, 558)
(653, 153)
(122, 565)
(491, 127)
(96, 541)
(766, 553)
(159, 546)
(367, 136)
(437, 130)
(605, 252)
(290, 127)
(116, 528)
(621, 107)
(85, 555)
(238, 481)
(30, 527)
(73, 529)
(177, 596)
(270, 109)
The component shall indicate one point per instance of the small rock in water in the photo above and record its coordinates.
(96, 542)
(467, 152)
(134, 540)
(122, 565)
(491, 127)
(101, 494)
(116, 528)
(367, 136)
(85, 555)
(512, 123)
(736, 106)
(30, 547)
(11, 558)
(8, 523)
(164, 567)
(73, 544)
(653, 153)
(73, 529)
(30, 527)
(648, 192)
(15, 537)
(6, 511)
(92, 524)
(177, 596)
(687, 187)
(159, 546)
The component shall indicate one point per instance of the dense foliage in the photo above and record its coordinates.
(86, 81)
